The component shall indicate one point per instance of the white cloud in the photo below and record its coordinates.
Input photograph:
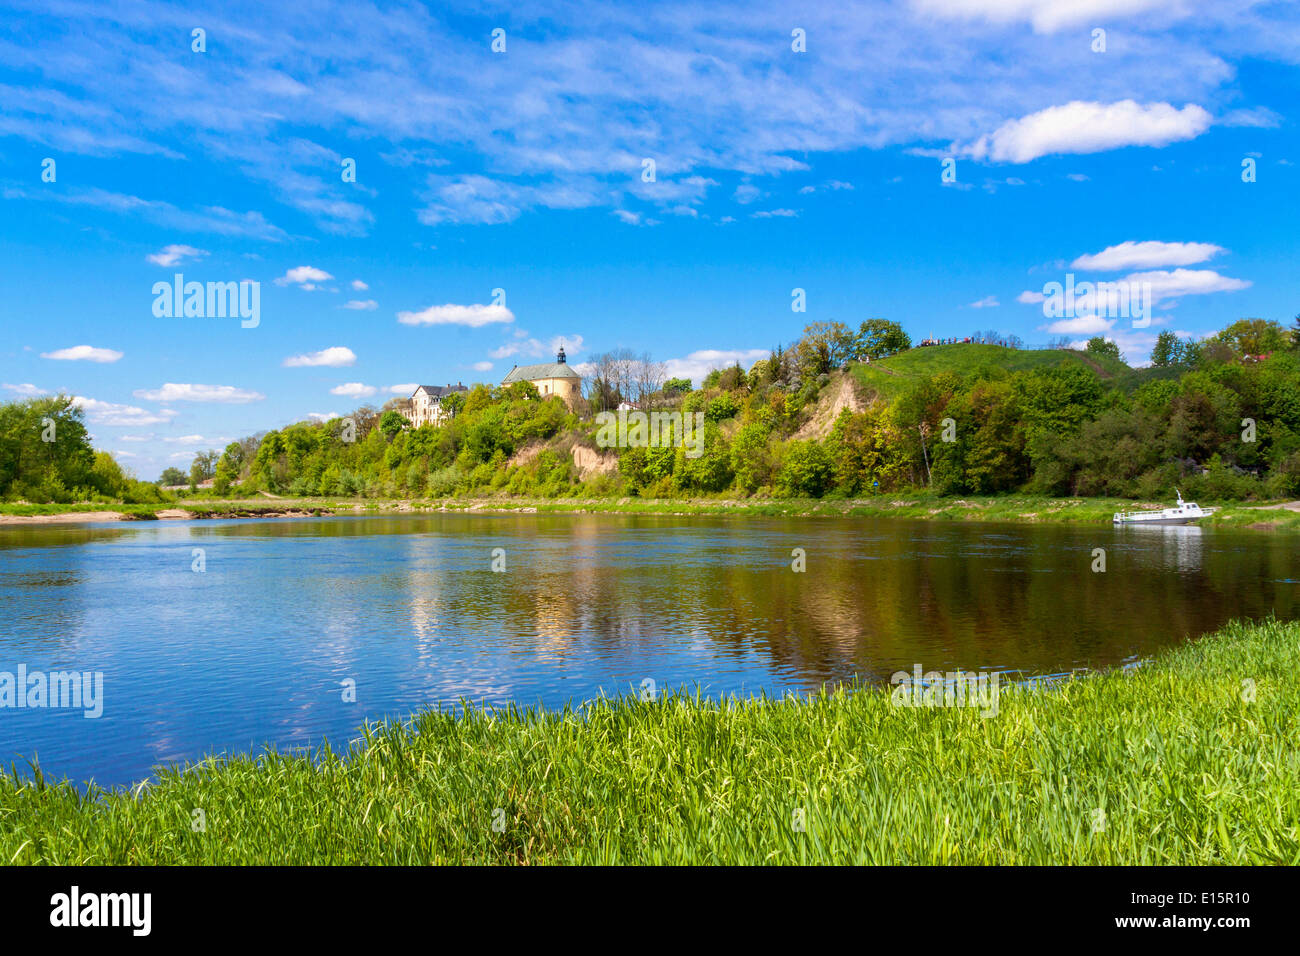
(473, 316)
(1046, 16)
(221, 394)
(403, 389)
(988, 302)
(482, 366)
(109, 413)
(83, 353)
(1029, 297)
(747, 193)
(698, 364)
(359, 286)
(354, 390)
(304, 276)
(775, 214)
(322, 416)
(1087, 127)
(26, 390)
(479, 200)
(215, 219)
(361, 305)
(557, 130)
(1147, 255)
(171, 255)
(1082, 325)
(1180, 282)
(336, 357)
(528, 347)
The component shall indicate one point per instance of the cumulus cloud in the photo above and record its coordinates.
(525, 346)
(482, 366)
(26, 389)
(361, 305)
(359, 286)
(354, 390)
(1167, 284)
(1147, 255)
(403, 389)
(83, 353)
(988, 302)
(220, 394)
(336, 357)
(1081, 325)
(110, 413)
(1089, 127)
(1029, 297)
(304, 277)
(171, 255)
(474, 316)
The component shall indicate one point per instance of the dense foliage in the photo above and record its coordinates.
(1061, 428)
(1218, 418)
(46, 456)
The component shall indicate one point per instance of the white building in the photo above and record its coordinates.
(426, 404)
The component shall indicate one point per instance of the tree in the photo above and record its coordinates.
(647, 376)
(453, 404)
(1254, 337)
(675, 386)
(878, 338)
(171, 477)
(392, 422)
(44, 448)
(1167, 350)
(1097, 345)
(203, 467)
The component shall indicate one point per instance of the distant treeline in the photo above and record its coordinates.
(1218, 418)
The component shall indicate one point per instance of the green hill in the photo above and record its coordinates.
(888, 377)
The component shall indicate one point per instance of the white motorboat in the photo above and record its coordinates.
(1183, 513)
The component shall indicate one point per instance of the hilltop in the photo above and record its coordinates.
(889, 377)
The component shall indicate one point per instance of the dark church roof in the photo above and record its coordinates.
(438, 391)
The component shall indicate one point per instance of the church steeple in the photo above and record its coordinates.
(560, 356)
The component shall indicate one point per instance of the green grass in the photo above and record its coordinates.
(1192, 759)
(1006, 508)
(887, 378)
(143, 512)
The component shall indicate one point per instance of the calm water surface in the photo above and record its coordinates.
(254, 649)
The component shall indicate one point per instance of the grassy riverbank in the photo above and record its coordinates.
(1009, 508)
(1191, 759)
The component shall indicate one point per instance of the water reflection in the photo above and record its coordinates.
(1181, 546)
(257, 648)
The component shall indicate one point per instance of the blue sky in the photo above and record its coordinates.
(524, 171)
